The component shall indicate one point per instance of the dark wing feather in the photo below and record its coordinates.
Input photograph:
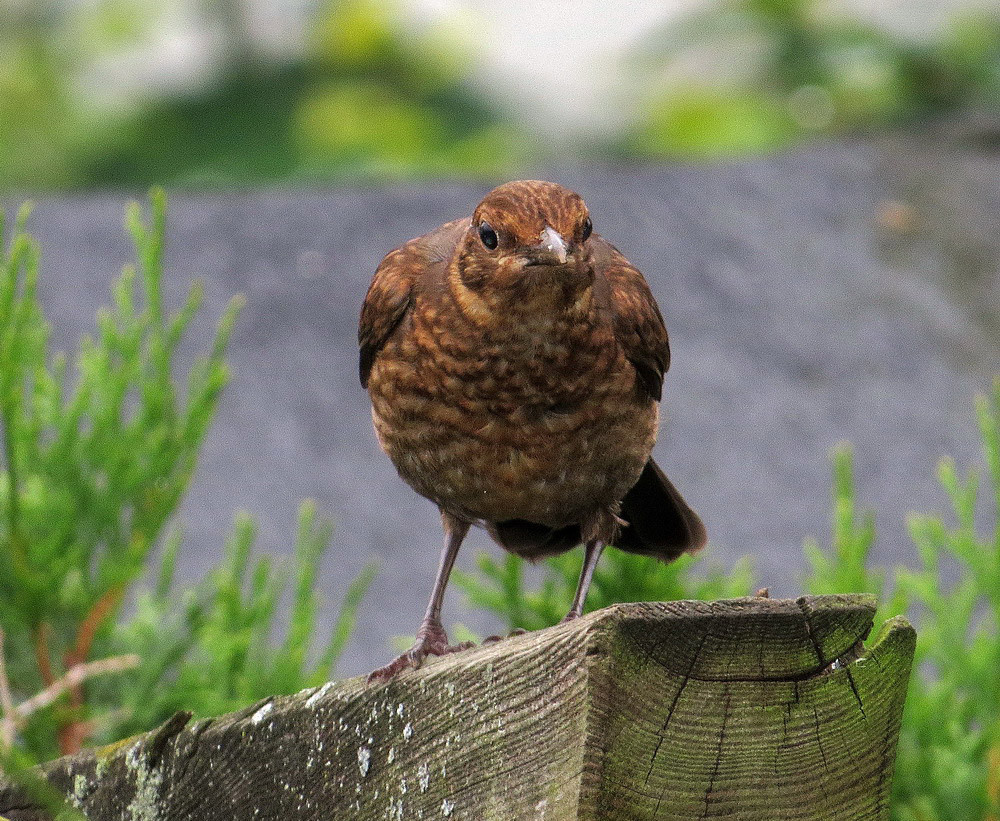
(638, 324)
(390, 295)
(386, 303)
(660, 522)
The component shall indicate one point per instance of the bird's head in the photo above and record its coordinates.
(525, 235)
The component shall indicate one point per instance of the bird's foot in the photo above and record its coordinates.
(570, 616)
(431, 641)
(518, 631)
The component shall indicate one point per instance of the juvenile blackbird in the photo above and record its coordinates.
(515, 361)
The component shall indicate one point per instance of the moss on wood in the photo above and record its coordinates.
(749, 708)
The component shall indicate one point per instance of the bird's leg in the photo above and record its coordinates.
(431, 637)
(593, 550)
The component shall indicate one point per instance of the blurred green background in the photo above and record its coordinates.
(230, 93)
(219, 93)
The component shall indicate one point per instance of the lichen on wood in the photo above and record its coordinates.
(748, 708)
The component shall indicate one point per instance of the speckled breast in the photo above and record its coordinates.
(535, 417)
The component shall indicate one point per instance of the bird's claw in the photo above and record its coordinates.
(431, 641)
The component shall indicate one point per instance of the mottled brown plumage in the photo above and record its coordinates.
(515, 363)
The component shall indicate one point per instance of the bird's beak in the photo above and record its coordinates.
(550, 250)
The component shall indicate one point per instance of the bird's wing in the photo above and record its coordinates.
(638, 324)
(396, 279)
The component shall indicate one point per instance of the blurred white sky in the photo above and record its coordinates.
(559, 62)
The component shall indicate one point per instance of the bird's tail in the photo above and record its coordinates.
(659, 522)
(656, 522)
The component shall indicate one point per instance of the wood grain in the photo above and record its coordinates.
(679, 710)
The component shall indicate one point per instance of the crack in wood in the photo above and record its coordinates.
(857, 695)
(709, 792)
(673, 704)
(821, 667)
(154, 745)
(819, 739)
(191, 746)
(807, 621)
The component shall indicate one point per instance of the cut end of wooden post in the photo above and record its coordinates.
(753, 708)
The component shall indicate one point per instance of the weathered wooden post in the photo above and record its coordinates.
(744, 709)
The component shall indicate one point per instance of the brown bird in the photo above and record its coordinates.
(515, 362)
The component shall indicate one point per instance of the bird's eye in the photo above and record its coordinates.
(588, 228)
(488, 235)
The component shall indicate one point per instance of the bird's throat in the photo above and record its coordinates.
(539, 292)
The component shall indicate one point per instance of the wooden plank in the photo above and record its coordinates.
(679, 710)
